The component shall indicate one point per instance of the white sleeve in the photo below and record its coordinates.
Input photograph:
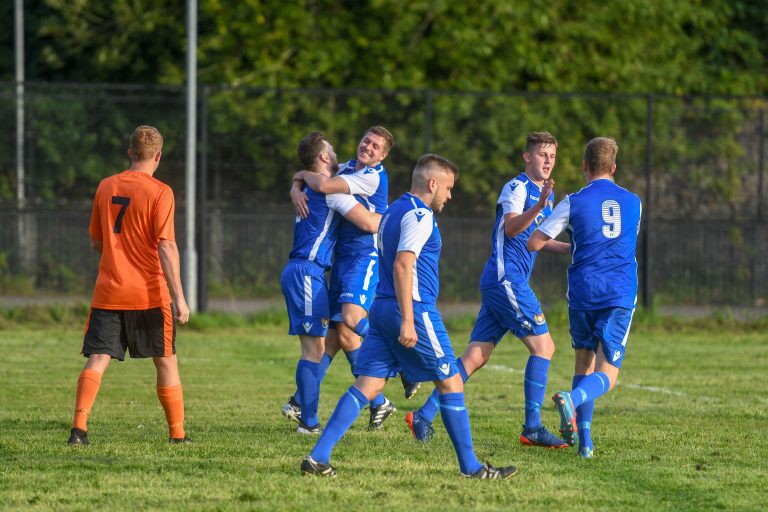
(416, 226)
(363, 183)
(342, 203)
(556, 223)
(512, 197)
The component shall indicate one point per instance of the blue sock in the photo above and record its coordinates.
(456, 421)
(309, 390)
(592, 386)
(584, 417)
(325, 362)
(535, 386)
(378, 400)
(428, 411)
(361, 329)
(352, 358)
(346, 412)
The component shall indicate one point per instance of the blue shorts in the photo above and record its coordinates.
(509, 307)
(382, 355)
(306, 298)
(609, 327)
(353, 281)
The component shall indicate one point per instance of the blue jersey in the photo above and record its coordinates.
(603, 221)
(370, 186)
(510, 259)
(409, 225)
(315, 237)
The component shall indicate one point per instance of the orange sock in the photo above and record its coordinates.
(172, 400)
(87, 387)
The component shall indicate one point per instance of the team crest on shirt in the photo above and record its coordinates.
(324, 322)
(363, 298)
(307, 326)
(539, 319)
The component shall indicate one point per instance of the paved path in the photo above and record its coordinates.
(250, 306)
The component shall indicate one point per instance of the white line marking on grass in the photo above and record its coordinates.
(501, 368)
(653, 389)
(666, 391)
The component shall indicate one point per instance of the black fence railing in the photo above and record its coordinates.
(698, 163)
(694, 262)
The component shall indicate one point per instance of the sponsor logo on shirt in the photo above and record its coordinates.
(363, 298)
(616, 355)
(307, 326)
(445, 368)
(419, 216)
(347, 295)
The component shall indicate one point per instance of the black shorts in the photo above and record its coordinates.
(145, 332)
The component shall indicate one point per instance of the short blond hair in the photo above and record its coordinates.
(389, 139)
(146, 142)
(430, 163)
(600, 155)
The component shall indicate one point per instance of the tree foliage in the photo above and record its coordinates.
(399, 51)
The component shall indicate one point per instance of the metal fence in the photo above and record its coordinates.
(698, 163)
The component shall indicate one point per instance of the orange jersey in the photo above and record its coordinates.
(132, 212)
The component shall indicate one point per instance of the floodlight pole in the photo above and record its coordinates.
(190, 253)
(19, 47)
(24, 235)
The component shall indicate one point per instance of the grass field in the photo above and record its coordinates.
(685, 429)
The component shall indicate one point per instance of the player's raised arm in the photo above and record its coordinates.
(354, 212)
(403, 280)
(323, 184)
(299, 199)
(552, 226)
(516, 223)
(363, 218)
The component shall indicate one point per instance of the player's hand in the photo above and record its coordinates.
(299, 200)
(407, 336)
(182, 311)
(546, 189)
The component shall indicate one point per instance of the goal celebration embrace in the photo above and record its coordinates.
(405, 334)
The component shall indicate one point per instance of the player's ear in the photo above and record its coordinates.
(158, 155)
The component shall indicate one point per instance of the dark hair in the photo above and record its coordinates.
(600, 155)
(310, 148)
(539, 138)
(433, 160)
(389, 139)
